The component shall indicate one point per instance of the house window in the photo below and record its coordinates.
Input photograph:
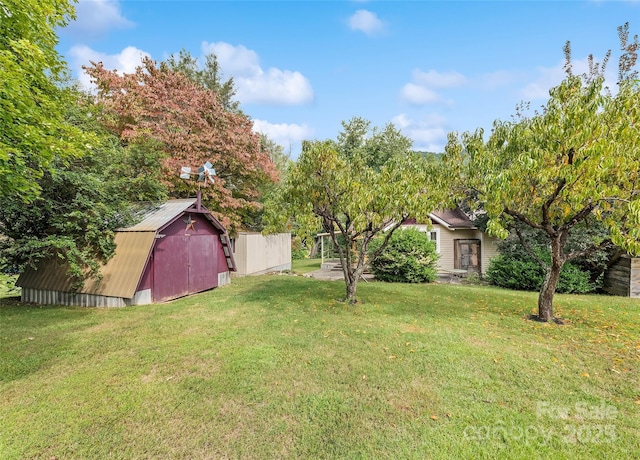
(433, 236)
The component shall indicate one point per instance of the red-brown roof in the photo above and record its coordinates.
(453, 218)
(450, 218)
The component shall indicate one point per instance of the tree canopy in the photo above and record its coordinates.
(81, 200)
(193, 127)
(208, 76)
(356, 188)
(33, 131)
(575, 161)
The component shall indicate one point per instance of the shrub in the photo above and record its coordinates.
(299, 250)
(410, 257)
(525, 274)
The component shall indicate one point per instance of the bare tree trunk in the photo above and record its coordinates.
(548, 289)
(352, 284)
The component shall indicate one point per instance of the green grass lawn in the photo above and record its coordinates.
(302, 266)
(276, 367)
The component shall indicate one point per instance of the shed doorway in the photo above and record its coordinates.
(183, 265)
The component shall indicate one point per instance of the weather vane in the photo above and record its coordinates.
(205, 173)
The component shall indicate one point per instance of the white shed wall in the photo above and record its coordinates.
(255, 253)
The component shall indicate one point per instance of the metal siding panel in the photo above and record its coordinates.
(50, 274)
(48, 297)
(121, 275)
(224, 278)
(171, 268)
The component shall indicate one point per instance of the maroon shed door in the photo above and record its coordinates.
(170, 268)
(183, 265)
(203, 262)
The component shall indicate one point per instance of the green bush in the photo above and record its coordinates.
(410, 257)
(299, 249)
(525, 274)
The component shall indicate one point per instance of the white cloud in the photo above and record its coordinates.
(255, 85)
(95, 17)
(235, 60)
(367, 22)
(422, 89)
(125, 61)
(420, 95)
(436, 79)
(288, 136)
(549, 77)
(428, 133)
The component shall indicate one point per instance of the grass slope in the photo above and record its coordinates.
(276, 367)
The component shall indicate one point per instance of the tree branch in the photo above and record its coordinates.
(530, 250)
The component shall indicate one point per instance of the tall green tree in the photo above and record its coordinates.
(346, 189)
(33, 131)
(576, 161)
(81, 200)
(208, 75)
(268, 191)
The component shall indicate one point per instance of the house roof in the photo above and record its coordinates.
(452, 219)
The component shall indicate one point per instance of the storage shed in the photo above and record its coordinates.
(177, 249)
(623, 278)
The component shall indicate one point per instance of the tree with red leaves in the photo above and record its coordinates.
(193, 127)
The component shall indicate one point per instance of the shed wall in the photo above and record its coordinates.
(617, 277)
(623, 278)
(186, 258)
(255, 253)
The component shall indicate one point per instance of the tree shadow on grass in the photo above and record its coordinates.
(415, 300)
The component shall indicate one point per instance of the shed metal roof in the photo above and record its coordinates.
(157, 217)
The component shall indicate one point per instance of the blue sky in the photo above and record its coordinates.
(302, 67)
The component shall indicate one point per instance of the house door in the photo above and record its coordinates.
(467, 255)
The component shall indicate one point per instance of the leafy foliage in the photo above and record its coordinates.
(576, 162)
(207, 76)
(192, 126)
(253, 218)
(299, 250)
(81, 202)
(354, 189)
(531, 245)
(33, 132)
(525, 274)
(410, 257)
